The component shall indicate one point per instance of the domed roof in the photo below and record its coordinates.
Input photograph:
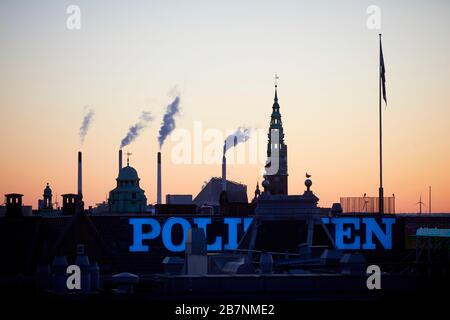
(128, 173)
(265, 183)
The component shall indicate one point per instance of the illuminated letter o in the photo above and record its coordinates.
(167, 234)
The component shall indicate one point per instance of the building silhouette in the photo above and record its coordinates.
(276, 167)
(71, 204)
(14, 205)
(127, 197)
(46, 202)
(210, 193)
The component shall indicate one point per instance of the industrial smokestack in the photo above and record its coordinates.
(224, 173)
(158, 187)
(120, 159)
(80, 175)
(223, 199)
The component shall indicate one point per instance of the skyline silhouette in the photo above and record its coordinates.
(223, 61)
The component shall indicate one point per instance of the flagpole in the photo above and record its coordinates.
(380, 190)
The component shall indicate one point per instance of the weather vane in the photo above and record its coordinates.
(128, 158)
(276, 79)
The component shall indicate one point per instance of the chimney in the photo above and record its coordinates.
(13, 205)
(158, 187)
(80, 175)
(224, 173)
(71, 203)
(120, 159)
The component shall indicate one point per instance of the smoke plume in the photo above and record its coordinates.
(136, 129)
(87, 120)
(168, 123)
(240, 135)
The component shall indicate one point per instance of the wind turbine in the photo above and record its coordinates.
(420, 203)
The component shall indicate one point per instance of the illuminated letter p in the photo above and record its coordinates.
(139, 235)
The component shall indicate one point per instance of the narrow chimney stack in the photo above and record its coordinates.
(158, 187)
(224, 173)
(120, 159)
(80, 175)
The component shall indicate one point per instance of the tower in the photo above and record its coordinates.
(46, 203)
(276, 173)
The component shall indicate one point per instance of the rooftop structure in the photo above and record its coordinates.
(127, 197)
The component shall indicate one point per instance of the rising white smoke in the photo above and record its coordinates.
(240, 135)
(135, 130)
(87, 120)
(168, 123)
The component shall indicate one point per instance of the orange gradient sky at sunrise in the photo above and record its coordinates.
(222, 57)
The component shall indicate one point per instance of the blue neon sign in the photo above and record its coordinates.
(350, 233)
(166, 232)
(348, 236)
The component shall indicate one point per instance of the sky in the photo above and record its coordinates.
(220, 57)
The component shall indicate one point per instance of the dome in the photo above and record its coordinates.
(47, 191)
(128, 173)
(265, 184)
(127, 196)
(308, 183)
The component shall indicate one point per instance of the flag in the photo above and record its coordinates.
(382, 73)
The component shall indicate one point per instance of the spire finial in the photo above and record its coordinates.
(276, 86)
(257, 191)
(128, 158)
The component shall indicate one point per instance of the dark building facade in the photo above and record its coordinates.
(13, 205)
(210, 193)
(276, 167)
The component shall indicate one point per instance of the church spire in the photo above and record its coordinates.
(276, 182)
(276, 86)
